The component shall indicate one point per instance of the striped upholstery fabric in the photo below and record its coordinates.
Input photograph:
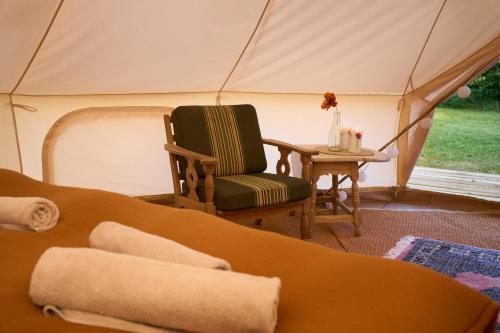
(267, 191)
(255, 190)
(229, 133)
(225, 140)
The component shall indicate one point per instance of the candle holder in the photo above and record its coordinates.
(356, 139)
(344, 137)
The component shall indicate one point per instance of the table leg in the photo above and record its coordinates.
(355, 201)
(312, 203)
(335, 192)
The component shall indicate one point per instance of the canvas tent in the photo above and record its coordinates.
(388, 61)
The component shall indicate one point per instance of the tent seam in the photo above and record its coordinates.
(209, 92)
(242, 52)
(460, 61)
(14, 120)
(38, 47)
(423, 48)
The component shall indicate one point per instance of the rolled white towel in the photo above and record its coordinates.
(93, 284)
(33, 213)
(115, 237)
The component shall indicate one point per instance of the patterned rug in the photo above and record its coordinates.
(473, 266)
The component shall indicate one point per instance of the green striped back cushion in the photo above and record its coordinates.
(229, 133)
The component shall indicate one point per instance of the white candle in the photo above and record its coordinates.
(355, 141)
(344, 136)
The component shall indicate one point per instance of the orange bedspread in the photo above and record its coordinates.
(322, 290)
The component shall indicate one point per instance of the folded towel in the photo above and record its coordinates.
(154, 292)
(23, 213)
(92, 319)
(115, 237)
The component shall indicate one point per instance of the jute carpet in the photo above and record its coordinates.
(381, 229)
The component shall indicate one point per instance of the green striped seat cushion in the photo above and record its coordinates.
(255, 190)
(229, 133)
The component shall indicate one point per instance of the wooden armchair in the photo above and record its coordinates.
(217, 160)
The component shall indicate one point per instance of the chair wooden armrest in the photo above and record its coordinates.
(208, 163)
(283, 165)
(204, 159)
(298, 149)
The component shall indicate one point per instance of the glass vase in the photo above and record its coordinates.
(334, 134)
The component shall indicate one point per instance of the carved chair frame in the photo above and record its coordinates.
(192, 201)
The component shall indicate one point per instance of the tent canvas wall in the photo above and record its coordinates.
(60, 56)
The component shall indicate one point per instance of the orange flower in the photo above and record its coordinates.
(330, 100)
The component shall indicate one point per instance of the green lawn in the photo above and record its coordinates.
(464, 139)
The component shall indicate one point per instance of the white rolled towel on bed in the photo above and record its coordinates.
(152, 292)
(33, 213)
(115, 237)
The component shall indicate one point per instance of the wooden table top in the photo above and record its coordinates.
(326, 158)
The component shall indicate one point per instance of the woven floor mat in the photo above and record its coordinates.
(381, 229)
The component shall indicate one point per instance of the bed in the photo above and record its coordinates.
(322, 290)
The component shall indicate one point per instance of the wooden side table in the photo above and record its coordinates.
(325, 164)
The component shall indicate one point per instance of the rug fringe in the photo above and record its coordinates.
(400, 246)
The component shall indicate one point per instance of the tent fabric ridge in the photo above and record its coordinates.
(44, 37)
(118, 94)
(367, 93)
(497, 55)
(242, 52)
(410, 82)
(12, 105)
(210, 92)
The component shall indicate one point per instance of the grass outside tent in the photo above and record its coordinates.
(464, 139)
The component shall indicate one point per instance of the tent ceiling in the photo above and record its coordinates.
(129, 46)
(22, 24)
(464, 27)
(352, 46)
(117, 46)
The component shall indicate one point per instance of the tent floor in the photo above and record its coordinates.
(382, 228)
(415, 199)
(386, 219)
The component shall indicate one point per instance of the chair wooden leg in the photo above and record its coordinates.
(211, 209)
